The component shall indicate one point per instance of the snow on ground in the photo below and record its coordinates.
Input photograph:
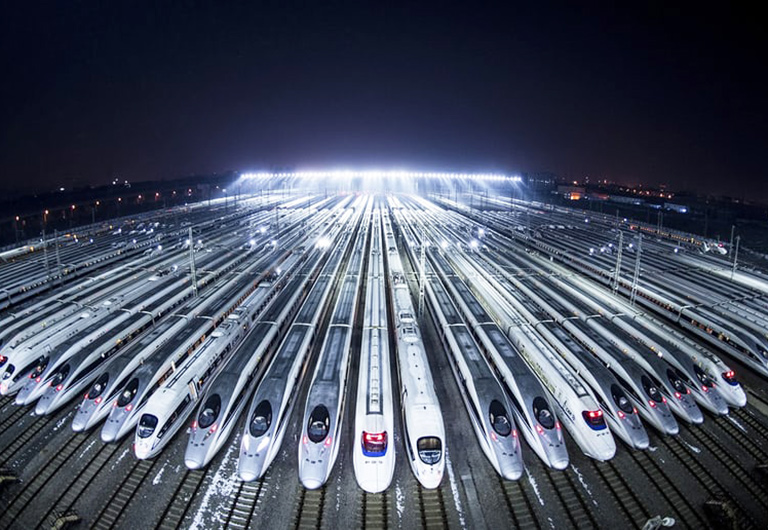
(454, 489)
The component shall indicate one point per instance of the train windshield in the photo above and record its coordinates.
(261, 420)
(651, 389)
(676, 382)
(147, 425)
(9, 371)
(704, 379)
(542, 413)
(499, 420)
(210, 411)
(42, 364)
(374, 443)
(319, 424)
(60, 375)
(98, 386)
(621, 400)
(430, 449)
(128, 393)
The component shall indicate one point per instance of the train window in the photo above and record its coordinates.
(9, 371)
(651, 389)
(42, 364)
(147, 425)
(60, 375)
(621, 400)
(261, 420)
(129, 392)
(676, 382)
(319, 424)
(430, 449)
(210, 411)
(542, 413)
(499, 420)
(98, 386)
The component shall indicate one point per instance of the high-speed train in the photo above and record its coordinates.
(534, 412)
(98, 344)
(486, 402)
(166, 409)
(423, 428)
(373, 448)
(227, 395)
(274, 398)
(321, 425)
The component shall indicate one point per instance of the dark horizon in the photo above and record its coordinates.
(634, 94)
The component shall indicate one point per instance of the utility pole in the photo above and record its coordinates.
(192, 262)
(423, 272)
(637, 268)
(735, 257)
(45, 255)
(58, 257)
(730, 241)
(618, 263)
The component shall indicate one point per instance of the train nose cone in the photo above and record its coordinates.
(193, 463)
(696, 416)
(109, 433)
(559, 462)
(43, 405)
(142, 451)
(510, 469)
(248, 475)
(640, 440)
(669, 424)
(311, 483)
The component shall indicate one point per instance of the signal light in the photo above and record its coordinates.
(539, 429)
(213, 428)
(129, 407)
(634, 410)
(328, 441)
(557, 425)
(678, 395)
(663, 399)
(59, 387)
(621, 415)
(38, 379)
(97, 400)
(305, 440)
(194, 424)
(595, 413)
(494, 437)
(704, 388)
(652, 403)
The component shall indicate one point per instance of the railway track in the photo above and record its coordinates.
(31, 489)
(431, 508)
(704, 476)
(81, 480)
(21, 440)
(627, 500)
(754, 423)
(13, 417)
(309, 510)
(747, 443)
(114, 509)
(375, 511)
(519, 504)
(573, 503)
(733, 466)
(182, 498)
(244, 502)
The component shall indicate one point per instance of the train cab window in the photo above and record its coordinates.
(42, 364)
(8, 372)
(651, 389)
(676, 382)
(542, 413)
(98, 386)
(60, 375)
(130, 391)
(147, 425)
(210, 411)
(261, 420)
(499, 420)
(621, 399)
(319, 424)
(430, 449)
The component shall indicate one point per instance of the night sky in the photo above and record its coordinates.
(651, 94)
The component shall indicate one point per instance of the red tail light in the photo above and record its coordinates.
(97, 400)
(129, 407)
(305, 440)
(59, 387)
(539, 429)
(678, 395)
(704, 388)
(621, 415)
(328, 441)
(652, 403)
(663, 399)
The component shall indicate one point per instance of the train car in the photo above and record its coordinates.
(373, 448)
(223, 401)
(323, 412)
(423, 427)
